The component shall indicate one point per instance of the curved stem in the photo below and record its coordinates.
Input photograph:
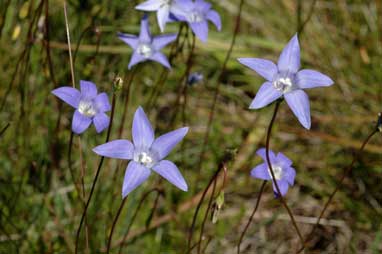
(273, 174)
(217, 89)
(252, 215)
(114, 223)
(346, 172)
(96, 176)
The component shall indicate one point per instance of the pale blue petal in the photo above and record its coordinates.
(129, 39)
(170, 172)
(283, 186)
(261, 172)
(312, 79)
(161, 58)
(69, 95)
(101, 121)
(263, 67)
(118, 149)
(298, 101)
(163, 16)
(214, 17)
(283, 160)
(88, 89)
(150, 5)
(143, 133)
(135, 175)
(262, 153)
(145, 35)
(289, 60)
(200, 30)
(102, 102)
(266, 95)
(135, 59)
(161, 41)
(80, 122)
(289, 175)
(165, 143)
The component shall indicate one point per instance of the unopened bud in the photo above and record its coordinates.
(379, 122)
(117, 84)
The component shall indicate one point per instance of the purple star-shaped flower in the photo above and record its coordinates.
(282, 169)
(147, 47)
(196, 14)
(146, 153)
(89, 106)
(162, 7)
(286, 80)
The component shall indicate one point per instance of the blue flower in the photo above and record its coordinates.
(282, 169)
(196, 14)
(90, 106)
(285, 79)
(147, 47)
(145, 154)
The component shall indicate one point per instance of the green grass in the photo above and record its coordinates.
(40, 208)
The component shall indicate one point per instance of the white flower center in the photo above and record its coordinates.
(195, 16)
(145, 50)
(146, 157)
(87, 108)
(283, 84)
(277, 171)
(164, 3)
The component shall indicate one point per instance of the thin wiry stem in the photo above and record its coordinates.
(4, 129)
(96, 175)
(273, 174)
(339, 185)
(252, 215)
(125, 108)
(144, 197)
(115, 223)
(69, 45)
(217, 89)
(191, 231)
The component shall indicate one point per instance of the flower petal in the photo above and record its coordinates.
(135, 175)
(118, 149)
(200, 30)
(202, 5)
(80, 122)
(88, 89)
(289, 174)
(129, 39)
(262, 153)
(261, 172)
(161, 41)
(161, 58)
(136, 58)
(145, 35)
(283, 160)
(265, 68)
(163, 16)
(150, 5)
(102, 103)
(101, 122)
(170, 172)
(298, 101)
(283, 186)
(165, 143)
(312, 79)
(143, 133)
(266, 95)
(214, 17)
(68, 94)
(289, 59)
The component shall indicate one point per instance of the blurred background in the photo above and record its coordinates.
(40, 207)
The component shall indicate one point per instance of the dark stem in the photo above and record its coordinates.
(124, 114)
(144, 197)
(206, 215)
(346, 172)
(191, 231)
(252, 215)
(217, 89)
(4, 129)
(273, 174)
(114, 223)
(96, 176)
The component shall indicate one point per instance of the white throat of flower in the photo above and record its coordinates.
(87, 108)
(145, 49)
(146, 157)
(165, 3)
(195, 16)
(277, 171)
(283, 84)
